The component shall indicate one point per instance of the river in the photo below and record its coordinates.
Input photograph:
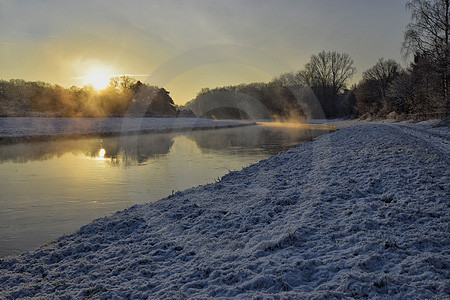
(52, 188)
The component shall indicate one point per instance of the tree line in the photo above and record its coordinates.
(422, 88)
(123, 96)
(316, 91)
(246, 101)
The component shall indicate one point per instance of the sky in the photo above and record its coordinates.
(186, 45)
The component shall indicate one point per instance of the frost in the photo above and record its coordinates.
(361, 212)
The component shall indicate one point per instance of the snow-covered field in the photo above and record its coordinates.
(45, 127)
(362, 212)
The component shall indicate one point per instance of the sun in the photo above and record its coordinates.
(98, 76)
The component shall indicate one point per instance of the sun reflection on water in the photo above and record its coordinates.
(101, 154)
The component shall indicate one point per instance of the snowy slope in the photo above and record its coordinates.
(362, 212)
(41, 127)
(435, 137)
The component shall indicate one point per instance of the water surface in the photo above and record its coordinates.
(52, 188)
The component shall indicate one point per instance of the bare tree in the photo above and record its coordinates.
(428, 33)
(327, 74)
(289, 79)
(125, 83)
(330, 70)
(383, 73)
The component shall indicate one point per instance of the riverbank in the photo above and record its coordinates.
(28, 129)
(361, 212)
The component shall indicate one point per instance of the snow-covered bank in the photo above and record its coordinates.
(435, 137)
(362, 212)
(12, 129)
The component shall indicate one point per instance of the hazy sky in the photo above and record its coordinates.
(187, 45)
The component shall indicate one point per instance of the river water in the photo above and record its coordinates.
(51, 188)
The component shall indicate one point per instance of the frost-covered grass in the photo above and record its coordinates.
(18, 128)
(362, 212)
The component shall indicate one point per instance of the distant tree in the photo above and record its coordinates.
(368, 101)
(203, 91)
(386, 88)
(150, 100)
(255, 101)
(382, 74)
(161, 104)
(419, 91)
(402, 93)
(291, 79)
(327, 74)
(370, 93)
(124, 83)
(428, 34)
(186, 113)
(303, 93)
(24, 98)
(330, 70)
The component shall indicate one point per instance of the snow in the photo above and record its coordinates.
(434, 137)
(20, 128)
(361, 212)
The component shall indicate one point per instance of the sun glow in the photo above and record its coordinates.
(101, 156)
(101, 153)
(98, 77)
(95, 73)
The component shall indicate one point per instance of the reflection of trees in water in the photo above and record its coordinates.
(126, 149)
(25, 152)
(266, 139)
(136, 149)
